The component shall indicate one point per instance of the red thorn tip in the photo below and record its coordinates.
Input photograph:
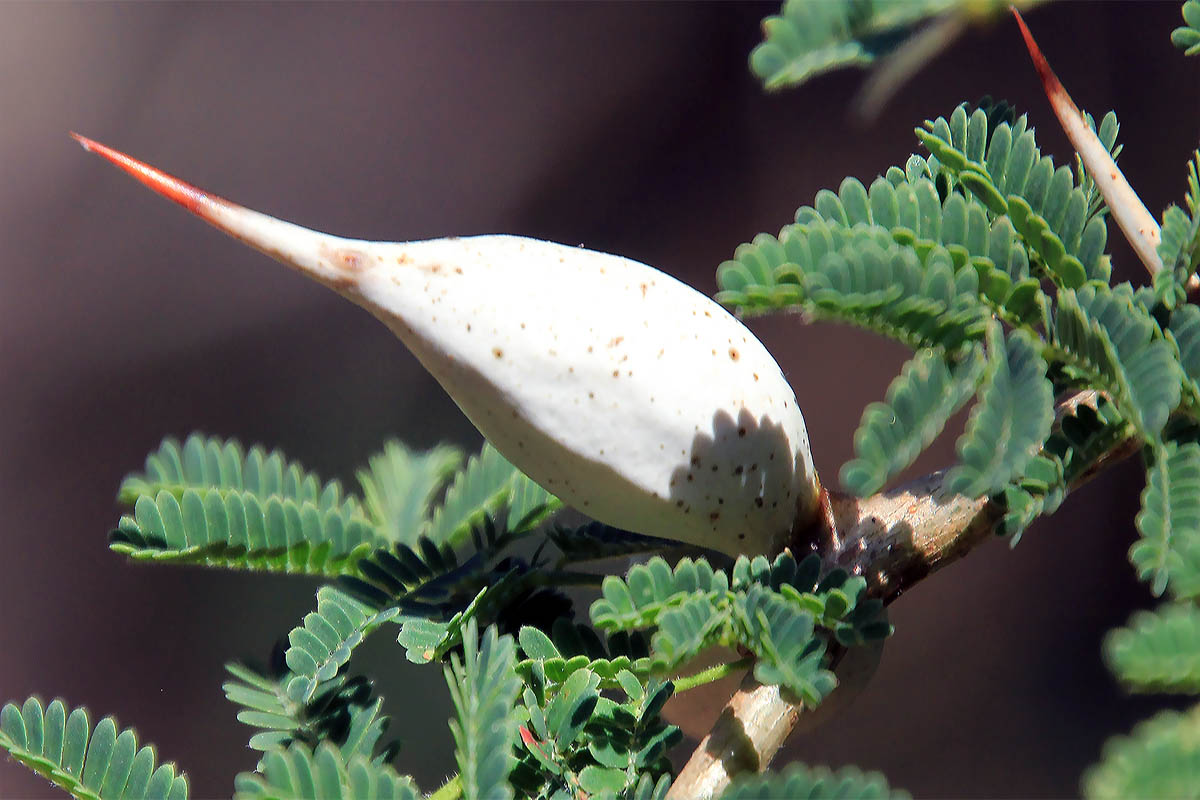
(1053, 87)
(185, 194)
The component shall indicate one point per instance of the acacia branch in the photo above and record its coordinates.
(894, 539)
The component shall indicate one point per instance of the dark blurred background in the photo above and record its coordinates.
(635, 129)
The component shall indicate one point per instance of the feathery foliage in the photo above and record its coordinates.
(202, 462)
(810, 37)
(926, 256)
(344, 711)
(1168, 554)
(298, 773)
(570, 647)
(920, 400)
(487, 484)
(104, 763)
(320, 646)
(1013, 416)
(860, 276)
(1180, 245)
(577, 740)
(781, 611)
(1159, 651)
(1187, 36)
(1006, 172)
(1115, 344)
(801, 782)
(982, 256)
(595, 540)
(213, 528)
(209, 502)
(1161, 758)
(399, 484)
(485, 688)
(1082, 437)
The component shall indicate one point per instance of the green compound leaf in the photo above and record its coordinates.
(810, 37)
(579, 739)
(572, 647)
(1187, 36)
(649, 589)
(1083, 436)
(1112, 341)
(344, 712)
(203, 462)
(238, 530)
(322, 645)
(1184, 329)
(208, 502)
(919, 402)
(859, 276)
(484, 686)
(487, 484)
(1054, 216)
(1013, 417)
(1159, 651)
(104, 763)
(781, 611)
(1160, 758)
(686, 630)
(297, 773)
(801, 782)
(651, 787)
(399, 484)
(1179, 248)
(425, 637)
(1168, 554)
(782, 636)
(595, 540)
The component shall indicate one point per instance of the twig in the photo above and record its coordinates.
(893, 539)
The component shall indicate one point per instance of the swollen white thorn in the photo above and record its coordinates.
(627, 393)
(1135, 221)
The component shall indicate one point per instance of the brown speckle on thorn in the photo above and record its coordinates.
(733, 354)
(497, 352)
(347, 260)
